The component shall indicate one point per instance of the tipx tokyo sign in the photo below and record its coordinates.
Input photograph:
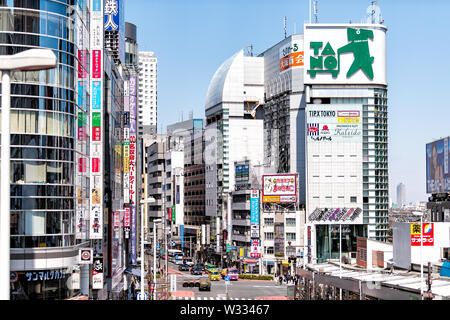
(428, 234)
(279, 188)
(346, 54)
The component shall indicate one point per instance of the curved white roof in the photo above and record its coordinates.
(227, 82)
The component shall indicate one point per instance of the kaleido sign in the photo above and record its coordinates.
(345, 54)
(334, 123)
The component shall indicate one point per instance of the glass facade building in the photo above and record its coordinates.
(45, 106)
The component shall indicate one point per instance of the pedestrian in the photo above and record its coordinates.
(280, 279)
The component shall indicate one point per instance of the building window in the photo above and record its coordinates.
(353, 199)
(290, 236)
(268, 221)
(290, 222)
(268, 235)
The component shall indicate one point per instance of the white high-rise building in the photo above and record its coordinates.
(147, 95)
(401, 194)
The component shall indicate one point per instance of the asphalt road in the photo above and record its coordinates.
(237, 290)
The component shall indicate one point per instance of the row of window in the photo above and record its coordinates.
(290, 236)
(32, 223)
(42, 153)
(18, 190)
(41, 141)
(41, 204)
(42, 172)
(41, 122)
(21, 242)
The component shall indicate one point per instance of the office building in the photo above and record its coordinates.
(148, 94)
(231, 133)
(401, 195)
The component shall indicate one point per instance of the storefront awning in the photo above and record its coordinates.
(135, 272)
(250, 261)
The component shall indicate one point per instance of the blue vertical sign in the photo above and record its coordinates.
(112, 21)
(133, 235)
(182, 235)
(254, 207)
(96, 95)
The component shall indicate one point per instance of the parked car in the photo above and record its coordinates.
(188, 261)
(205, 284)
(210, 266)
(183, 267)
(214, 274)
(196, 271)
(201, 266)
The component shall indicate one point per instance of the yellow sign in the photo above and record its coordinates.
(126, 165)
(348, 119)
(241, 252)
(415, 228)
(285, 263)
(271, 199)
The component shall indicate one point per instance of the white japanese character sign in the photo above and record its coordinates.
(111, 14)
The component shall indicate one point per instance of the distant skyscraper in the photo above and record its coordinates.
(147, 94)
(401, 194)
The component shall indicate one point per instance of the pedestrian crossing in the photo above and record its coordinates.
(208, 298)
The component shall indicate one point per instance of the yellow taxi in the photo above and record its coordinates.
(213, 275)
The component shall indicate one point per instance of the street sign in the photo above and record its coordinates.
(227, 278)
(157, 246)
(172, 243)
(173, 283)
(139, 296)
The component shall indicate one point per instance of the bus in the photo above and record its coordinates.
(175, 256)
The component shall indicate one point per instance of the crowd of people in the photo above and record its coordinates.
(287, 278)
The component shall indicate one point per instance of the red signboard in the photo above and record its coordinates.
(170, 214)
(95, 165)
(96, 134)
(96, 64)
(428, 234)
(127, 218)
(82, 164)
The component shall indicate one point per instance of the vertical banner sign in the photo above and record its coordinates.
(96, 113)
(170, 214)
(278, 239)
(309, 244)
(173, 214)
(127, 221)
(203, 234)
(97, 273)
(132, 93)
(133, 235)
(254, 214)
(126, 143)
(182, 235)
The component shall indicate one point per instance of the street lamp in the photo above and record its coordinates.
(29, 60)
(417, 213)
(142, 202)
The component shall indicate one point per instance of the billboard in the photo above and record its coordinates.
(291, 55)
(428, 234)
(242, 172)
(279, 188)
(255, 249)
(437, 164)
(334, 123)
(345, 54)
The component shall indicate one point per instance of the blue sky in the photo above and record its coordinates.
(192, 38)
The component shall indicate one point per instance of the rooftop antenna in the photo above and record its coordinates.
(316, 12)
(249, 50)
(309, 11)
(374, 13)
(285, 32)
